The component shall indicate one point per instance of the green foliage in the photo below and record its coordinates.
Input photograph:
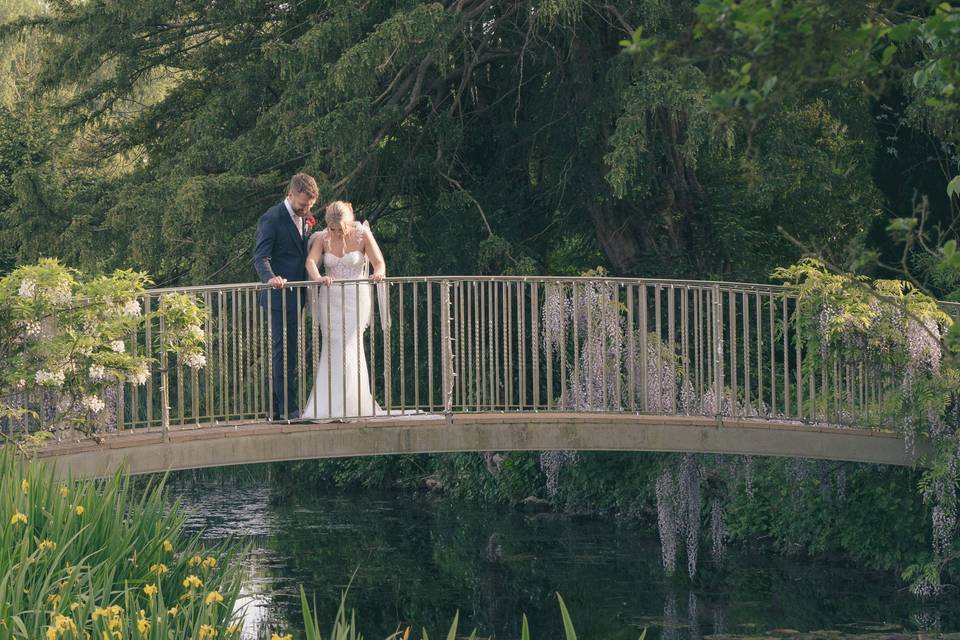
(345, 628)
(427, 118)
(865, 514)
(66, 338)
(84, 558)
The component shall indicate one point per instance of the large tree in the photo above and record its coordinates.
(480, 136)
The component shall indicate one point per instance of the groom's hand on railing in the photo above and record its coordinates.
(277, 282)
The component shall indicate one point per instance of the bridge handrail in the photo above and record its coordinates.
(952, 307)
(513, 343)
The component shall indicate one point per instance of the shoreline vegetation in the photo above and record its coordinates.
(110, 558)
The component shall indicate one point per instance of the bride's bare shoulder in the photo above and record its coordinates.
(318, 236)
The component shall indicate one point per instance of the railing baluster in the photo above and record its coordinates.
(535, 342)
(416, 347)
(235, 347)
(631, 353)
(698, 338)
(476, 295)
(548, 348)
(747, 404)
(563, 348)
(732, 332)
(644, 396)
(773, 359)
(718, 348)
(148, 352)
(507, 348)
(685, 342)
(490, 347)
(799, 361)
(463, 347)
(759, 307)
(360, 323)
(521, 346)
(446, 348)
(658, 356)
(672, 344)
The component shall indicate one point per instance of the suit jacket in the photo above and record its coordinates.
(280, 250)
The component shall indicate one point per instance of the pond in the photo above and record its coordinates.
(419, 558)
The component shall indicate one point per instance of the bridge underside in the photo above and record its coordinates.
(246, 443)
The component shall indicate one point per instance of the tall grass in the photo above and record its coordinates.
(345, 628)
(104, 559)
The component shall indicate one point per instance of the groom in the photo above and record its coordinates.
(279, 256)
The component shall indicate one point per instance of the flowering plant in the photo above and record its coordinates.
(67, 347)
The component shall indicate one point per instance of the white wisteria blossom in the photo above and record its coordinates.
(60, 294)
(195, 360)
(32, 329)
(118, 346)
(50, 378)
(93, 403)
(131, 309)
(97, 373)
(28, 289)
(140, 374)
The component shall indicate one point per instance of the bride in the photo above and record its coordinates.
(342, 387)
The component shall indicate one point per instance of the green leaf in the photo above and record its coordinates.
(568, 630)
(902, 32)
(889, 51)
(452, 634)
(953, 187)
(524, 629)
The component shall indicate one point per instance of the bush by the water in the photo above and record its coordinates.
(103, 560)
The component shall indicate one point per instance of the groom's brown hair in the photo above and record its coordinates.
(303, 183)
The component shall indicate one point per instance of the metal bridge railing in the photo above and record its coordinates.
(443, 344)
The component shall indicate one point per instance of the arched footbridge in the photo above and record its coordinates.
(491, 364)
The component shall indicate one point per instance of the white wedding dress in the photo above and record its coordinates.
(343, 311)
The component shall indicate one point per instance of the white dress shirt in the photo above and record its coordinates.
(297, 220)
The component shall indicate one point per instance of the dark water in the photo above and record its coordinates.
(417, 559)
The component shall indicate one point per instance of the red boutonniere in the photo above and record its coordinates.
(308, 225)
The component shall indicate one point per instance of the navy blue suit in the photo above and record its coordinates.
(280, 250)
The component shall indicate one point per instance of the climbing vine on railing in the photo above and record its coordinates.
(894, 330)
(66, 348)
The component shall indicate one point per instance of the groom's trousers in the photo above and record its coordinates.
(285, 332)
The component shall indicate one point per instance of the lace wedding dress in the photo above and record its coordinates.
(343, 311)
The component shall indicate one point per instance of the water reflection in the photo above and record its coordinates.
(418, 559)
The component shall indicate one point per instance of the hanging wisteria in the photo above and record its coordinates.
(834, 349)
(678, 493)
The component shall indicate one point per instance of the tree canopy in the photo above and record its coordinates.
(483, 136)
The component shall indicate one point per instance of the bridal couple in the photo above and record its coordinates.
(287, 251)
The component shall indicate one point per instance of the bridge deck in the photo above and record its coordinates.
(150, 450)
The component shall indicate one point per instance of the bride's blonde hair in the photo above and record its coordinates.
(335, 213)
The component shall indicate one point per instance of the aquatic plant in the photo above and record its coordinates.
(345, 627)
(79, 558)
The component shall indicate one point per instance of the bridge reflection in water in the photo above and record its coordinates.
(590, 363)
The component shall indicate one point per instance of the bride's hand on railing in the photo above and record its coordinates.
(377, 277)
(324, 280)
